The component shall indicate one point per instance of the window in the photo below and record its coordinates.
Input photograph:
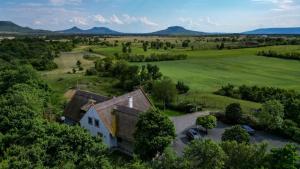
(90, 121)
(97, 123)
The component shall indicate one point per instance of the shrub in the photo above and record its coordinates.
(182, 88)
(236, 133)
(234, 112)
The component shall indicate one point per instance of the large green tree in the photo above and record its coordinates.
(204, 154)
(284, 158)
(272, 114)
(244, 156)
(164, 90)
(154, 132)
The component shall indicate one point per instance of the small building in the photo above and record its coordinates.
(113, 119)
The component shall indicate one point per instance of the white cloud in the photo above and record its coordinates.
(196, 23)
(65, 2)
(147, 22)
(280, 5)
(79, 21)
(124, 19)
(99, 18)
(116, 20)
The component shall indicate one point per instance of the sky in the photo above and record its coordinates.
(139, 16)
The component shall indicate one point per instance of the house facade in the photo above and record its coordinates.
(113, 119)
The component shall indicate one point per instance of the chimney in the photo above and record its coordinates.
(130, 102)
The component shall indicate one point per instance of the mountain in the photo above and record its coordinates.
(268, 31)
(94, 30)
(10, 27)
(73, 30)
(102, 30)
(177, 30)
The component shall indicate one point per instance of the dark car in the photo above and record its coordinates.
(193, 134)
(249, 130)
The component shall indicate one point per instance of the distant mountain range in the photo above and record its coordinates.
(10, 27)
(268, 31)
(95, 30)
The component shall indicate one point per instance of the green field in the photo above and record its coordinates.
(205, 71)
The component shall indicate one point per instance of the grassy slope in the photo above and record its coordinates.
(61, 81)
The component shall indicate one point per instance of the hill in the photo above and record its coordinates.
(94, 30)
(177, 30)
(10, 27)
(282, 31)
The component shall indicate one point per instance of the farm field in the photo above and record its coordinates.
(205, 71)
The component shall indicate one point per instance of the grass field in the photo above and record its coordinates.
(205, 71)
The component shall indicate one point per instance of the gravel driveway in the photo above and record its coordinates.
(182, 123)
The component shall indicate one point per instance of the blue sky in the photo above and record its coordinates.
(151, 15)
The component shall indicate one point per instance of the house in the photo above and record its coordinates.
(113, 119)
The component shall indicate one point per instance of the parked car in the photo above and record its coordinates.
(193, 134)
(249, 130)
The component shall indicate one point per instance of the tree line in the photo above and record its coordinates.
(288, 55)
(35, 51)
(151, 58)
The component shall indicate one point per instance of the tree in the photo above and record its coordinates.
(182, 88)
(243, 155)
(78, 63)
(236, 133)
(169, 160)
(284, 158)
(272, 114)
(154, 132)
(204, 154)
(234, 112)
(164, 90)
(208, 122)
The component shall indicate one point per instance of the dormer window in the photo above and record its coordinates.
(90, 120)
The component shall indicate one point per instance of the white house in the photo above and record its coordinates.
(113, 119)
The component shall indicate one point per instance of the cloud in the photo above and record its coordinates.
(280, 5)
(116, 20)
(147, 22)
(99, 18)
(79, 21)
(65, 2)
(124, 19)
(193, 23)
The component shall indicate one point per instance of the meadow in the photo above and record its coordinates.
(205, 71)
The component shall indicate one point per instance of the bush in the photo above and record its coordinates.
(234, 112)
(236, 133)
(182, 88)
(91, 71)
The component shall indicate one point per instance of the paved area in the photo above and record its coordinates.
(182, 123)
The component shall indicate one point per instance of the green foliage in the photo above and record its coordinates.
(37, 52)
(164, 90)
(236, 133)
(270, 53)
(284, 158)
(244, 156)
(182, 88)
(208, 122)
(169, 160)
(234, 112)
(204, 154)
(272, 114)
(154, 132)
